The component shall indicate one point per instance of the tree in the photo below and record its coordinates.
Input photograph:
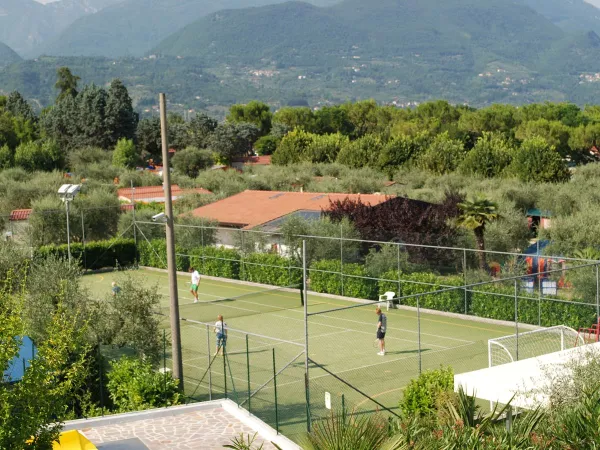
(191, 160)
(399, 151)
(121, 119)
(326, 148)
(554, 133)
(293, 118)
(474, 216)
(490, 156)
(91, 118)
(177, 130)
(148, 137)
(231, 140)
(32, 411)
(19, 107)
(443, 155)
(363, 152)
(125, 154)
(66, 83)
(537, 161)
(266, 145)
(255, 112)
(39, 155)
(200, 128)
(7, 158)
(293, 148)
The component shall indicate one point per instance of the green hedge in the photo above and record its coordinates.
(268, 268)
(97, 254)
(154, 254)
(216, 262)
(321, 280)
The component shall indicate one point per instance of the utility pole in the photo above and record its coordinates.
(171, 263)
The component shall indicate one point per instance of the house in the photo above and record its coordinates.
(269, 209)
(155, 194)
(537, 219)
(18, 225)
(239, 163)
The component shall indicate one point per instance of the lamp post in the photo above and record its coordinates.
(67, 193)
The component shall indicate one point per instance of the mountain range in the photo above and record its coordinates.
(397, 51)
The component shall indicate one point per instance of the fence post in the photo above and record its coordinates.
(597, 294)
(419, 330)
(224, 370)
(100, 370)
(465, 279)
(243, 267)
(133, 214)
(83, 240)
(517, 316)
(539, 277)
(306, 375)
(275, 386)
(342, 257)
(164, 365)
(399, 275)
(248, 370)
(209, 362)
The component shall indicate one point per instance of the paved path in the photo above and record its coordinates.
(206, 430)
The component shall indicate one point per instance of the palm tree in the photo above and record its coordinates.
(475, 215)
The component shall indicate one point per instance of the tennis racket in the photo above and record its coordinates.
(376, 343)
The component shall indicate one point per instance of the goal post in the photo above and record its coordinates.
(530, 344)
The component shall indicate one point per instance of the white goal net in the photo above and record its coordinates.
(530, 344)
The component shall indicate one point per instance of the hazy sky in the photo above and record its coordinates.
(45, 1)
(594, 2)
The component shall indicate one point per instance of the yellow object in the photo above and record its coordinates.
(72, 440)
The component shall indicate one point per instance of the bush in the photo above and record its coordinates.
(97, 255)
(125, 154)
(325, 278)
(154, 254)
(134, 385)
(216, 262)
(268, 268)
(191, 160)
(421, 395)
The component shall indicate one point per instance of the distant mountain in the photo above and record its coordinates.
(8, 55)
(570, 15)
(26, 25)
(133, 27)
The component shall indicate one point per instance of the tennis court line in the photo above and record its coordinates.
(220, 374)
(375, 364)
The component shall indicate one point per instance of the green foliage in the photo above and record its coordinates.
(242, 442)
(95, 254)
(216, 262)
(134, 385)
(490, 156)
(66, 83)
(325, 277)
(293, 147)
(537, 161)
(342, 430)
(39, 155)
(191, 160)
(363, 152)
(271, 269)
(443, 155)
(267, 145)
(154, 254)
(254, 112)
(6, 157)
(420, 397)
(125, 154)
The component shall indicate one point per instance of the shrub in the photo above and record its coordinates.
(154, 254)
(134, 385)
(191, 160)
(95, 255)
(325, 277)
(421, 395)
(268, 268)
(216, 262)
(125, 154)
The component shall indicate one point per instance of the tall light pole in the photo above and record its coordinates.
(171, 263)
(67, 193)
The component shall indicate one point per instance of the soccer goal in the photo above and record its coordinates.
(530, 344)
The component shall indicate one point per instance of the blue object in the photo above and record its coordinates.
(16, 368)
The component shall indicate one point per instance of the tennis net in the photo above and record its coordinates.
(261, 301)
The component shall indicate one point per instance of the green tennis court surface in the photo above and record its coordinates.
(343, 342)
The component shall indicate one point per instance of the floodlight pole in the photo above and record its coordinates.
(171, 262)
(68, 230)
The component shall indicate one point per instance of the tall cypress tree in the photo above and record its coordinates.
(121, 120)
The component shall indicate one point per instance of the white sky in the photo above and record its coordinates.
(45, 1)
(594, 2)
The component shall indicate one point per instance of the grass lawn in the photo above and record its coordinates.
(271, 327)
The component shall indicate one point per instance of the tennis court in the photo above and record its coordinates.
(341, 342)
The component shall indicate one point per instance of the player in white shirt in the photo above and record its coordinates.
(195, 283)
(221, 330)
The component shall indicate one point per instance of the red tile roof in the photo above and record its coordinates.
(149, 194)
(249, 209)
(254, 160)
(20, 214)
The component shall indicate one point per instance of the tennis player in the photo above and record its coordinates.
(381, 327)
(221, 330)
(115, 289)
(195, 283)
